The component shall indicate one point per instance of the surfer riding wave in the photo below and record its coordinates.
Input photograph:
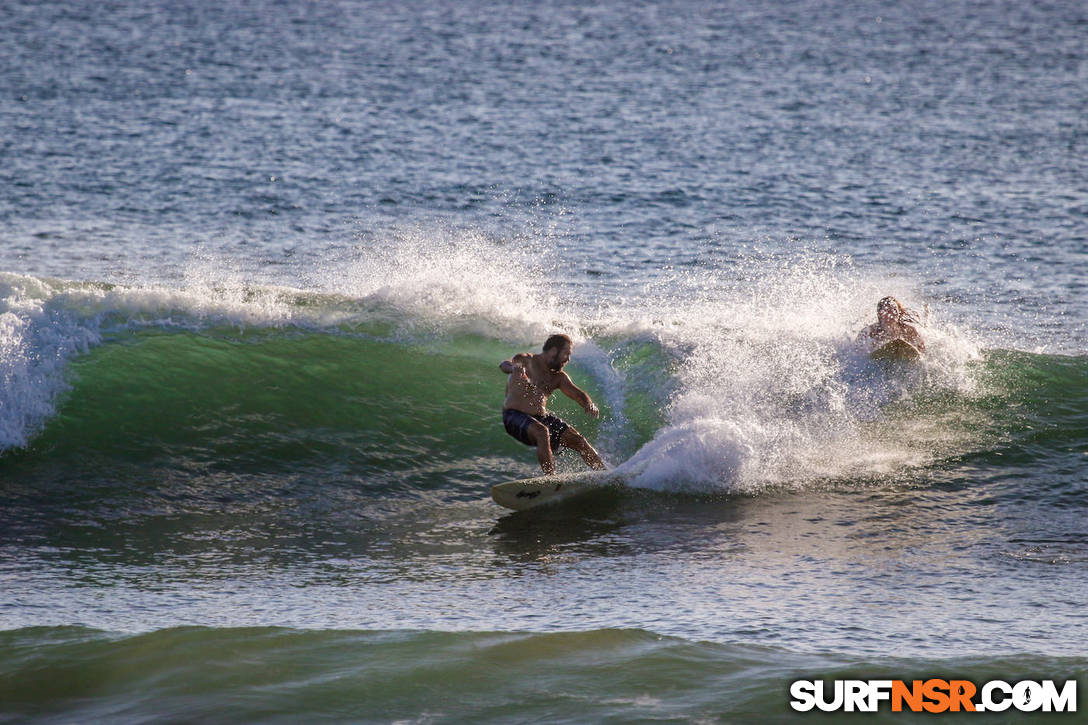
(533, 378)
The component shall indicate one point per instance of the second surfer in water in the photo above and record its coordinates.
(533, 378)
(893, 322)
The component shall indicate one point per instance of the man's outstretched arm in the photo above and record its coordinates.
(579, 396)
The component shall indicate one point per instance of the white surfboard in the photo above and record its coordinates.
(898, 349)
(532, 492)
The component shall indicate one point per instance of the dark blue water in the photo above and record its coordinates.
(259, 262)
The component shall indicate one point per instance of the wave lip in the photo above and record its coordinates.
(38, 335)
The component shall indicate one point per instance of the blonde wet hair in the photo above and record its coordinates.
(899, 312)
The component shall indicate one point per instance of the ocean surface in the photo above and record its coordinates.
(259, 262)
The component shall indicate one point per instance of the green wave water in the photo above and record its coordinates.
(266, 674)
(292, 399)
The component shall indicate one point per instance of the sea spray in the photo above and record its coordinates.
(454, 280)
(772, 389)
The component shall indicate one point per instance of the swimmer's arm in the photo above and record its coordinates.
(867, 334)
(911, 335)
(579, 396)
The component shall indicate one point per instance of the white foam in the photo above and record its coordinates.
(37, 337)
(772, 390)
(460, 281)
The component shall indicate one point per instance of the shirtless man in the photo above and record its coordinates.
(532, 379)
(893, 323)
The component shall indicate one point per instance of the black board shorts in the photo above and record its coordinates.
(517, 424)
